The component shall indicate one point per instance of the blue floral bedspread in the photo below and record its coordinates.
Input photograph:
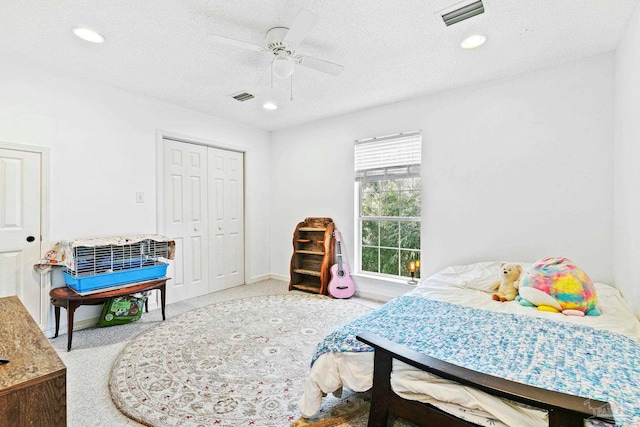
(554, 355)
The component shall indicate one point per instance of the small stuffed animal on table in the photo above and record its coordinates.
(508, 283)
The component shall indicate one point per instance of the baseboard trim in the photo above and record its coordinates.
(263, 277)
(79, 325)
(380, 289)
(279, 277)
(257, 279)
(366, 287)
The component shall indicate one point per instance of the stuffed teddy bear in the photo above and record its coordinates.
(508, 284)
(557, 285)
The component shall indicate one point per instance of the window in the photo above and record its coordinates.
(388, 191)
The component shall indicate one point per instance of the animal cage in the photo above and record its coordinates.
(93, 265)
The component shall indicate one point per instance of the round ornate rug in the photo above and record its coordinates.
(237, 363)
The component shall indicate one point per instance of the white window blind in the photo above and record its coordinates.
(388, 157)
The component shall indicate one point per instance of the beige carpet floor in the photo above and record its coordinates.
(95, 349)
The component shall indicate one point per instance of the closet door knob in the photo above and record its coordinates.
(30, 239)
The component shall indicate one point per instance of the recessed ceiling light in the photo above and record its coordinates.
(269, 106)
(473, 42)
(88, 35)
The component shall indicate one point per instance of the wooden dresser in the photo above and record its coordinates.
(33, 390)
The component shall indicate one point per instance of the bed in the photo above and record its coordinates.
(451, 316)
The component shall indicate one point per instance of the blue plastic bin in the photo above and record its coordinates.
(108, 280)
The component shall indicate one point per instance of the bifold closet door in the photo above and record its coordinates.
(226, 218)
(185, 218)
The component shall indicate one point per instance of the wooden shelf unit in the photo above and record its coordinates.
(311, 252)
(312, 255)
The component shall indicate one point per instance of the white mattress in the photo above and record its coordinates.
(467, 285)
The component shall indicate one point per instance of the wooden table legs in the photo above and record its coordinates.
(71, 309)
(70, 300)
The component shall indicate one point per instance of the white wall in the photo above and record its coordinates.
(103, 143)
(626, 259)
(514, 169)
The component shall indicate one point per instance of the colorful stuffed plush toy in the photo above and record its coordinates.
(556, 284)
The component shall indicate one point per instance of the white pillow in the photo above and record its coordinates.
(478, 276)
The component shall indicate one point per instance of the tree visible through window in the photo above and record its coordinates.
(389, 200)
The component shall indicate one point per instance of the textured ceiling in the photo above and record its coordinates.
(391, 49)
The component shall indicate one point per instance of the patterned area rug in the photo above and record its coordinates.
(236, 363)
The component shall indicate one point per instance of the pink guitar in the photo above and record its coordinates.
(340, 285)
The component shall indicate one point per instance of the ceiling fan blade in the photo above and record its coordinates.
(301, 27)
(265, 76)
(236, 43)
(267, 79)
(320, 65)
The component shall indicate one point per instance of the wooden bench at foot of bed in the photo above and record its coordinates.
(564, 410)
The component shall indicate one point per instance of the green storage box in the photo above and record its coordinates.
(121, 310)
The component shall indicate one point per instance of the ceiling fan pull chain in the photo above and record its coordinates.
(291, 90)
(271, 74)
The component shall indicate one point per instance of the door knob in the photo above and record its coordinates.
(30, 239)
(195, 228)
(219, 227)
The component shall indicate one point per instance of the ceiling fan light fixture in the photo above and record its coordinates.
(283, 67)
(88, 35)
(473, 41)
(269, 106)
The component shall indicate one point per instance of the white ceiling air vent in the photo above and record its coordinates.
(462, 13)
(242, 96)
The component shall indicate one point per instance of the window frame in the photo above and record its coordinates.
(360, 220)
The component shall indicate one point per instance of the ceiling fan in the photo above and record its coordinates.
(281, 42)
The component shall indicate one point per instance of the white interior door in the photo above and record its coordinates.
(20, 229)
(185, 205)
(226, 218)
